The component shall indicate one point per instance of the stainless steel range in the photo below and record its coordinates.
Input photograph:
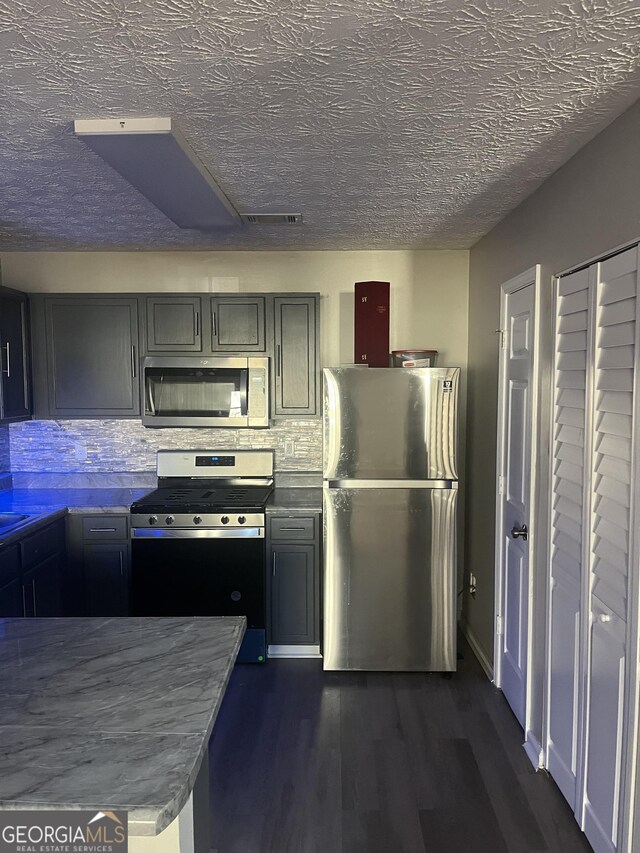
(198, 540)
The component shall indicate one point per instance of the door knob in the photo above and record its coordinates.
(520, 532)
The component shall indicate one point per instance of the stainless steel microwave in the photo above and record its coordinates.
(187, 391)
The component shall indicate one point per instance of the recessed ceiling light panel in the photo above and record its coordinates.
(153, 156)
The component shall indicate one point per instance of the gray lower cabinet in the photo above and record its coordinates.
(294, 582)
(100, 557)
(296, 384)
(15, 390)
(92, 357)
(31, 574)
(10, 582)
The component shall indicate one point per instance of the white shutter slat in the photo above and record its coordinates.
(569, 490)
(614, 468)
(615, 380)
(618, 403)
(615, 424)
(571, 417)
(616, 557)
(573, 399)
(570, 434)
(611, 510)
(613, 445)
(572, 473)
(566, 507)
(573, 322)
(569, 453)
(574, 281)
(567, 545)
(610, 488)
(616, 357)
(622, 334)
(574, 360)
(624, 288)
(617, 312)
(615, 596)
(569, 565)
(572, 379)
(573, 341)
(578, 301)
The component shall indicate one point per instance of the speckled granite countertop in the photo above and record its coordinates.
(48, 504)
(75, 500)
(295, 500)
(110, 712)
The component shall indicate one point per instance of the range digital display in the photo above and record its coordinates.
(215, 461)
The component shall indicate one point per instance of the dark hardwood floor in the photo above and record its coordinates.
(304, 761)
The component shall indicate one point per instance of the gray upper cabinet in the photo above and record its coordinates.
(174, 324)
(15, 389)
(238, 324)
(296, 354)
(92, 357)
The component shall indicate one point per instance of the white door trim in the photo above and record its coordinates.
(533, 277)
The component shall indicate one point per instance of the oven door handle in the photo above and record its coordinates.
(207, 533)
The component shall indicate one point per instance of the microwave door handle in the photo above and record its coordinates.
(152, 405)
(244, 391)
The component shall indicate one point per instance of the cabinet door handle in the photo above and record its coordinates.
(133, 361)
(7, 370)
(279, 360)
(24, 602)
(197, 323)
(291, 528)
(33, 595)
(273, 571)
(102, 530)
(121, 565)
(213, 320)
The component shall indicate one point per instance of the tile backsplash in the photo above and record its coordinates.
(5, 476)
(110, 446)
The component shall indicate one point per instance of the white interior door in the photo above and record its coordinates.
(568, 544)
(514, 501)
(611, 545)
(592, 671)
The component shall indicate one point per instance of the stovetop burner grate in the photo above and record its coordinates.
(205, 499)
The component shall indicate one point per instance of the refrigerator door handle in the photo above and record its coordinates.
(391, 484)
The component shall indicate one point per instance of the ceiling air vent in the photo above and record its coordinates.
(272, 218)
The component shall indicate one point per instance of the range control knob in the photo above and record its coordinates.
(241, 519)
(153, 519)
(197, 519)
(225, 519)
(169, 519)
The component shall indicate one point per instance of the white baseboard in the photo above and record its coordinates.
(477, 649)
(293, 652)
(534, 750)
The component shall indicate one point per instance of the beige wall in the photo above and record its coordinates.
(428, 289)
(588, 207)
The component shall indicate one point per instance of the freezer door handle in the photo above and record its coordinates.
(391, 484)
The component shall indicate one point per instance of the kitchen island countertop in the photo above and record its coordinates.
(110, 712)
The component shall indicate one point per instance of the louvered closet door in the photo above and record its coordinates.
(610, 545)
(567, 541)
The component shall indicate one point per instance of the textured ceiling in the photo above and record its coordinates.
(387, 123)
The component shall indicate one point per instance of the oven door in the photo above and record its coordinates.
(202, 573)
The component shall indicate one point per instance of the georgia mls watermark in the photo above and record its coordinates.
(63, 832)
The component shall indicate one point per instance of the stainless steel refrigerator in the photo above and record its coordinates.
(390, 494)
